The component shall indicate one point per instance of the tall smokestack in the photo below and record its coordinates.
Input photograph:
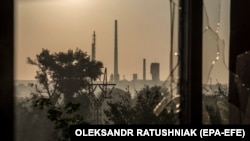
(144, 69)
(93, 47)
(116, 75)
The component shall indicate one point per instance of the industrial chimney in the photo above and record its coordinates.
(116, 75)
(93, 47)
(144, 69)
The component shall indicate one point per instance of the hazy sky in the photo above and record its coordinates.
(59, 25)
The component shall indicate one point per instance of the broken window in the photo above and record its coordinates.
(215, 59)
(170, 87)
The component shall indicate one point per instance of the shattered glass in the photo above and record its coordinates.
(169, 88)
(215, 69)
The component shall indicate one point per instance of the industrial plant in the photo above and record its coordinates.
(135, 83)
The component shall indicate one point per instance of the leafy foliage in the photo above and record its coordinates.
(125, 112)
(147, 99)
(66, 73)
(215, 104)
(28, 118)
(63, 80)
(120, 109)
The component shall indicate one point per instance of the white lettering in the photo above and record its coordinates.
(78, 132)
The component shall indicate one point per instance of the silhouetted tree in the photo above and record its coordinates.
(28, 118)
(63, 80)
(65, 73)
(120, 108)
(141, 112)
(147, 99)
(215, 104)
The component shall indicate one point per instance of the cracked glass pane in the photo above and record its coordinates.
(215, 68)
(170, 89)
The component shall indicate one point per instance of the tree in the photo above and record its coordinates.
(147, 99)
(120, 108)
(215, 104)
(63, 79)
(125, 112)
(28, 118)
(65, 73)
